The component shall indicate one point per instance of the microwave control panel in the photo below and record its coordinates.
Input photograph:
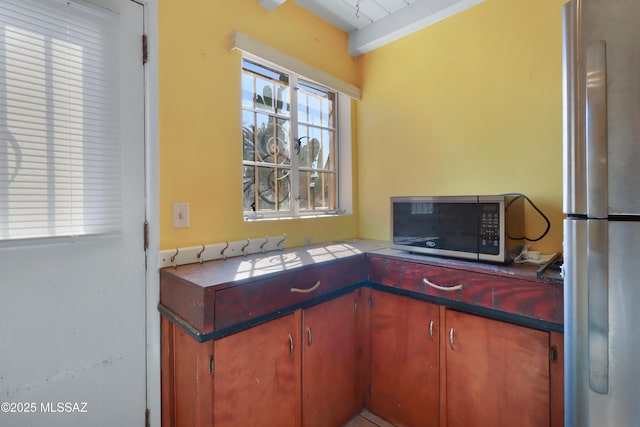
(489, 228)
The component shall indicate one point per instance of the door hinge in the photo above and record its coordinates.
(212, 365)
(144, 49)
(147, 422)
(145, 231)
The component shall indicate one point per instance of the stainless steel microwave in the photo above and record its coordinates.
(479, 228)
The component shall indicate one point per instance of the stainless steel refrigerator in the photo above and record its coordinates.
(601, 84)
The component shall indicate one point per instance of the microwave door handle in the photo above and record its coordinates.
(596, 130)
(598, 304)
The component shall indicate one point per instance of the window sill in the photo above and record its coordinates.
(271, 217)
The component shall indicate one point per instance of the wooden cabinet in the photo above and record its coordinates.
(275, 349)
(433, 366)
(498, 288)
(404, 360)
(239, 303)
(557, 379)
(329, 362)
(496, 373)
(297, 370)
(186, 381)
(257, 375)
(215, 297)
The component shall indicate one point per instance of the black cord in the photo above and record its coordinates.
(522, 196)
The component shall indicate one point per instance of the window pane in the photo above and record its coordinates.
(248, 135)
(327, 108)
(317, 190)
(266, 188)
(264, 95)
(328, 151)
(265, 139)
(315, 115)
(247, 90)
(255, 68)
(309, 151)
(317, 148)
(315, 106)
(265, 89)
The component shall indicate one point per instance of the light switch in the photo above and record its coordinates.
(181, 215)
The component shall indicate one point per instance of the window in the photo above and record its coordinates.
(59, 146)
(290, 144)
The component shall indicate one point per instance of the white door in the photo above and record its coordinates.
(72, 314)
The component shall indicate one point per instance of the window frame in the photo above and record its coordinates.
(342, 132)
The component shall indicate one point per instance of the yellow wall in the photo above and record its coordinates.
(470, 105)
(200, 121)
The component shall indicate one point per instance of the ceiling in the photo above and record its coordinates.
(374, 23)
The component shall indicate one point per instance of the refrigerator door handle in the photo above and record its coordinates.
(598, 305)
(596, 130)
(574, 168)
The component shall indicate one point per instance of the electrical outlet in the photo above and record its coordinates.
(181, 215)
(307, 240)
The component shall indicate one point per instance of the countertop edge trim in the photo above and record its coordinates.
(454, 305)
(204, 337)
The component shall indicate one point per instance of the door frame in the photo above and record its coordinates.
(152, 213)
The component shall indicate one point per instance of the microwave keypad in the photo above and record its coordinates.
(490, 228)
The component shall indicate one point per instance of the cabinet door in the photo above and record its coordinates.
(404, 360)
(329, 374)
(497, 374)
(257, 376)
(556, 340)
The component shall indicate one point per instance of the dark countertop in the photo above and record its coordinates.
(237, 269)
(519, 271)
(218, 297)
(241, 268)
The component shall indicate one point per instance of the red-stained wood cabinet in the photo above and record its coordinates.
(297, 370)
(434, 366)
(330, 392)
(495, 373)
(380, 347)
(257, 376)
(404, 360)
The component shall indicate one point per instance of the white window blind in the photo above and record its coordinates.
(60, 151)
